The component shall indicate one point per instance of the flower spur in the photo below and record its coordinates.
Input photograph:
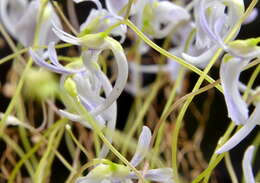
(109, 172)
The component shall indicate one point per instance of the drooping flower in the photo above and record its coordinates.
(109, 172)
(230, 70)
(229, 74)
(20, 19)
(85, 81)
(101, 42)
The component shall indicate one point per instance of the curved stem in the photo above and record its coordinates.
(168, 54)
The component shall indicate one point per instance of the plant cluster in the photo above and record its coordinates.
(70, 75)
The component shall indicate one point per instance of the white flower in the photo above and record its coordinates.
(213, 24)
(100, 19)
(20, 19)
(109, 172)
(161, 17)
(230, 70)
(229, 75)
(101, 42)
(85, 82)
(250, 124)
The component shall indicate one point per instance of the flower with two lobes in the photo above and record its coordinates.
(109, 172)
(20, 19)
(241, 53)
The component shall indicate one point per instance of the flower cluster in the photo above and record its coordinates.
(112, 172)
(194, 31)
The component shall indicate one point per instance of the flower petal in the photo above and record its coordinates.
(46, 33)
(252, 16)
(164, 11)
(122, 75)
(237, 138)
(64, 36)
(16, 9)
(78, 118)
(159, 175)
(58, 69)
(229, 76)
(115, 6)
(201, 60)
(142, 146)
(246, 164)
(250, 124)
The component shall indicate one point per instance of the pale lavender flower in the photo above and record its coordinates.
(246, 164)
(89, 82)
(251, 17)
(89, 86)
(109, 172)
(213, 24)
(250, 124)
(100, 42)
(231, 67)
(100, 19)
(20, 19)
(229, 75)
(54, 66)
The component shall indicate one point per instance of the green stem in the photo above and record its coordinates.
(128, 10)
(19, 151)
(196, 87)
(171, 98)
(59, 124)
(68, 128)
(168, 54)
(77, 106)
(27, 68)
(142, 112)
(230, 168)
